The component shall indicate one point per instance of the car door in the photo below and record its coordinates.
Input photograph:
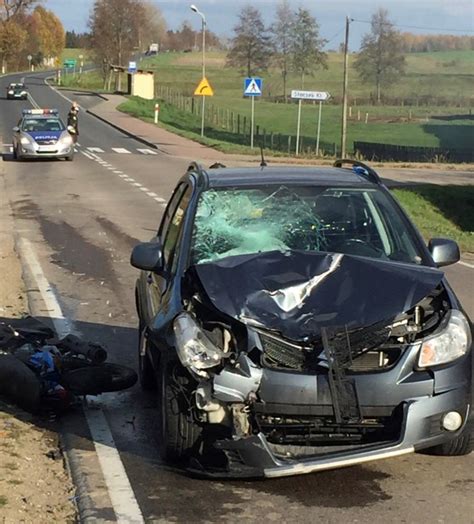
(169, 234)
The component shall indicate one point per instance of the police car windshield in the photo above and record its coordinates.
(42, 124)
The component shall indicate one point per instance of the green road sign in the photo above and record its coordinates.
(70, 62)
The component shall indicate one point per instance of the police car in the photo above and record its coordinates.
(42, 134)
(16, 92)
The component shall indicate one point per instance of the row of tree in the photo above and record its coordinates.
(411, 43)
(292, 43)
(28, 29)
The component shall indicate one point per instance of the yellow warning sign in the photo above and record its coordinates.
(204, 88)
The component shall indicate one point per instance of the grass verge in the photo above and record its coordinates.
(441, 211)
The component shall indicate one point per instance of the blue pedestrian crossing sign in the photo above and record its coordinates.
(253, 86)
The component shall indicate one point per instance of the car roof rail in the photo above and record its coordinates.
(195, 166)
(370, 174)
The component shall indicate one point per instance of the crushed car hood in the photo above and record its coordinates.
(297, 293)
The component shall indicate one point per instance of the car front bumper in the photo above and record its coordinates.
(255, 456)
(35, 151)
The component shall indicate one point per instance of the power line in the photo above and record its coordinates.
(419, 27)
(335, 36)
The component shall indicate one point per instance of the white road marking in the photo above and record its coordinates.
(147, 151)
(160, 200)
(120, 491)
(118, 172)
(88, 155)
(152, 194)
(57, 91)
(144, 189)
(465, 264)
(121, 150)
(95, 150)
(136, 184)
(33, 101)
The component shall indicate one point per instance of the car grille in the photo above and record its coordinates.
(46, 142)
(279, 353)
(324, 430)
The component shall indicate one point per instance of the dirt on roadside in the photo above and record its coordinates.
(34, 483)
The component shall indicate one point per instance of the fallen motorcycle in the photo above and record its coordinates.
(38, 369)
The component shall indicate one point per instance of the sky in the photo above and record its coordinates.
(443, 16)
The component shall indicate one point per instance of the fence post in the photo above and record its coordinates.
(245, 125)
(238, 123)
(289, 144)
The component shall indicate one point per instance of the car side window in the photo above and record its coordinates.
(169, 211)
(170, 243)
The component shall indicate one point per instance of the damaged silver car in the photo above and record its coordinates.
(292, 320)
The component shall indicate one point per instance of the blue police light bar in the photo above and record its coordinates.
(40, 111)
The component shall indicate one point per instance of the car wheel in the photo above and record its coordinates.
(180, 433)
(14, 154)
(145, 369)
(70, 158)
(461, 445)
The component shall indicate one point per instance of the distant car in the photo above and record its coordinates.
(293, 320)
(16, 91)
(42, 134)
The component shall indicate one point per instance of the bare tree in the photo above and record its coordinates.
(115, 26)
(307, 45)
(251, 48)
(282, 37)
(380, 60)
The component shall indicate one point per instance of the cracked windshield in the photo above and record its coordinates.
(240, 221)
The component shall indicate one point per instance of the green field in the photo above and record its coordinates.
(441, 211)
(447, 75)
(442, 78)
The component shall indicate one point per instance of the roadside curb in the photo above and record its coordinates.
(123, 130)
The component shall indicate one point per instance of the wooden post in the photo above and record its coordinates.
(289, 144)
(238, 123)
(366, 117)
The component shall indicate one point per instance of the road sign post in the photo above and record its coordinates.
(319, 127)
(81, 63)
(308, 95)
(30, 58)
(252, 88)
(157, 112)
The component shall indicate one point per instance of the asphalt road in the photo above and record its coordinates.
(82, 218)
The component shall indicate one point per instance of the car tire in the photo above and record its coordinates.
(14, 154)
(180, 433)
(70, 158)
(461, 445)
(145, 369)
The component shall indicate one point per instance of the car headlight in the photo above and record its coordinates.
(195, 349)
(10, 92)
(451, 341)
(25, 141)
(66, 140)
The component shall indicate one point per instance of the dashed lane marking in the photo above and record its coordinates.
(96, 158)
(465, 264)
(118, 485)
(147, 151)
(121, 150)
(95, 150)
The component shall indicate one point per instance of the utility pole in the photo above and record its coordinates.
(344, 91)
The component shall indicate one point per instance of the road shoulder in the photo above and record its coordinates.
(34, 481)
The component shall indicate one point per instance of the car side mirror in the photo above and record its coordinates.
(444, 251)
(16, 129)
(147, 256)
